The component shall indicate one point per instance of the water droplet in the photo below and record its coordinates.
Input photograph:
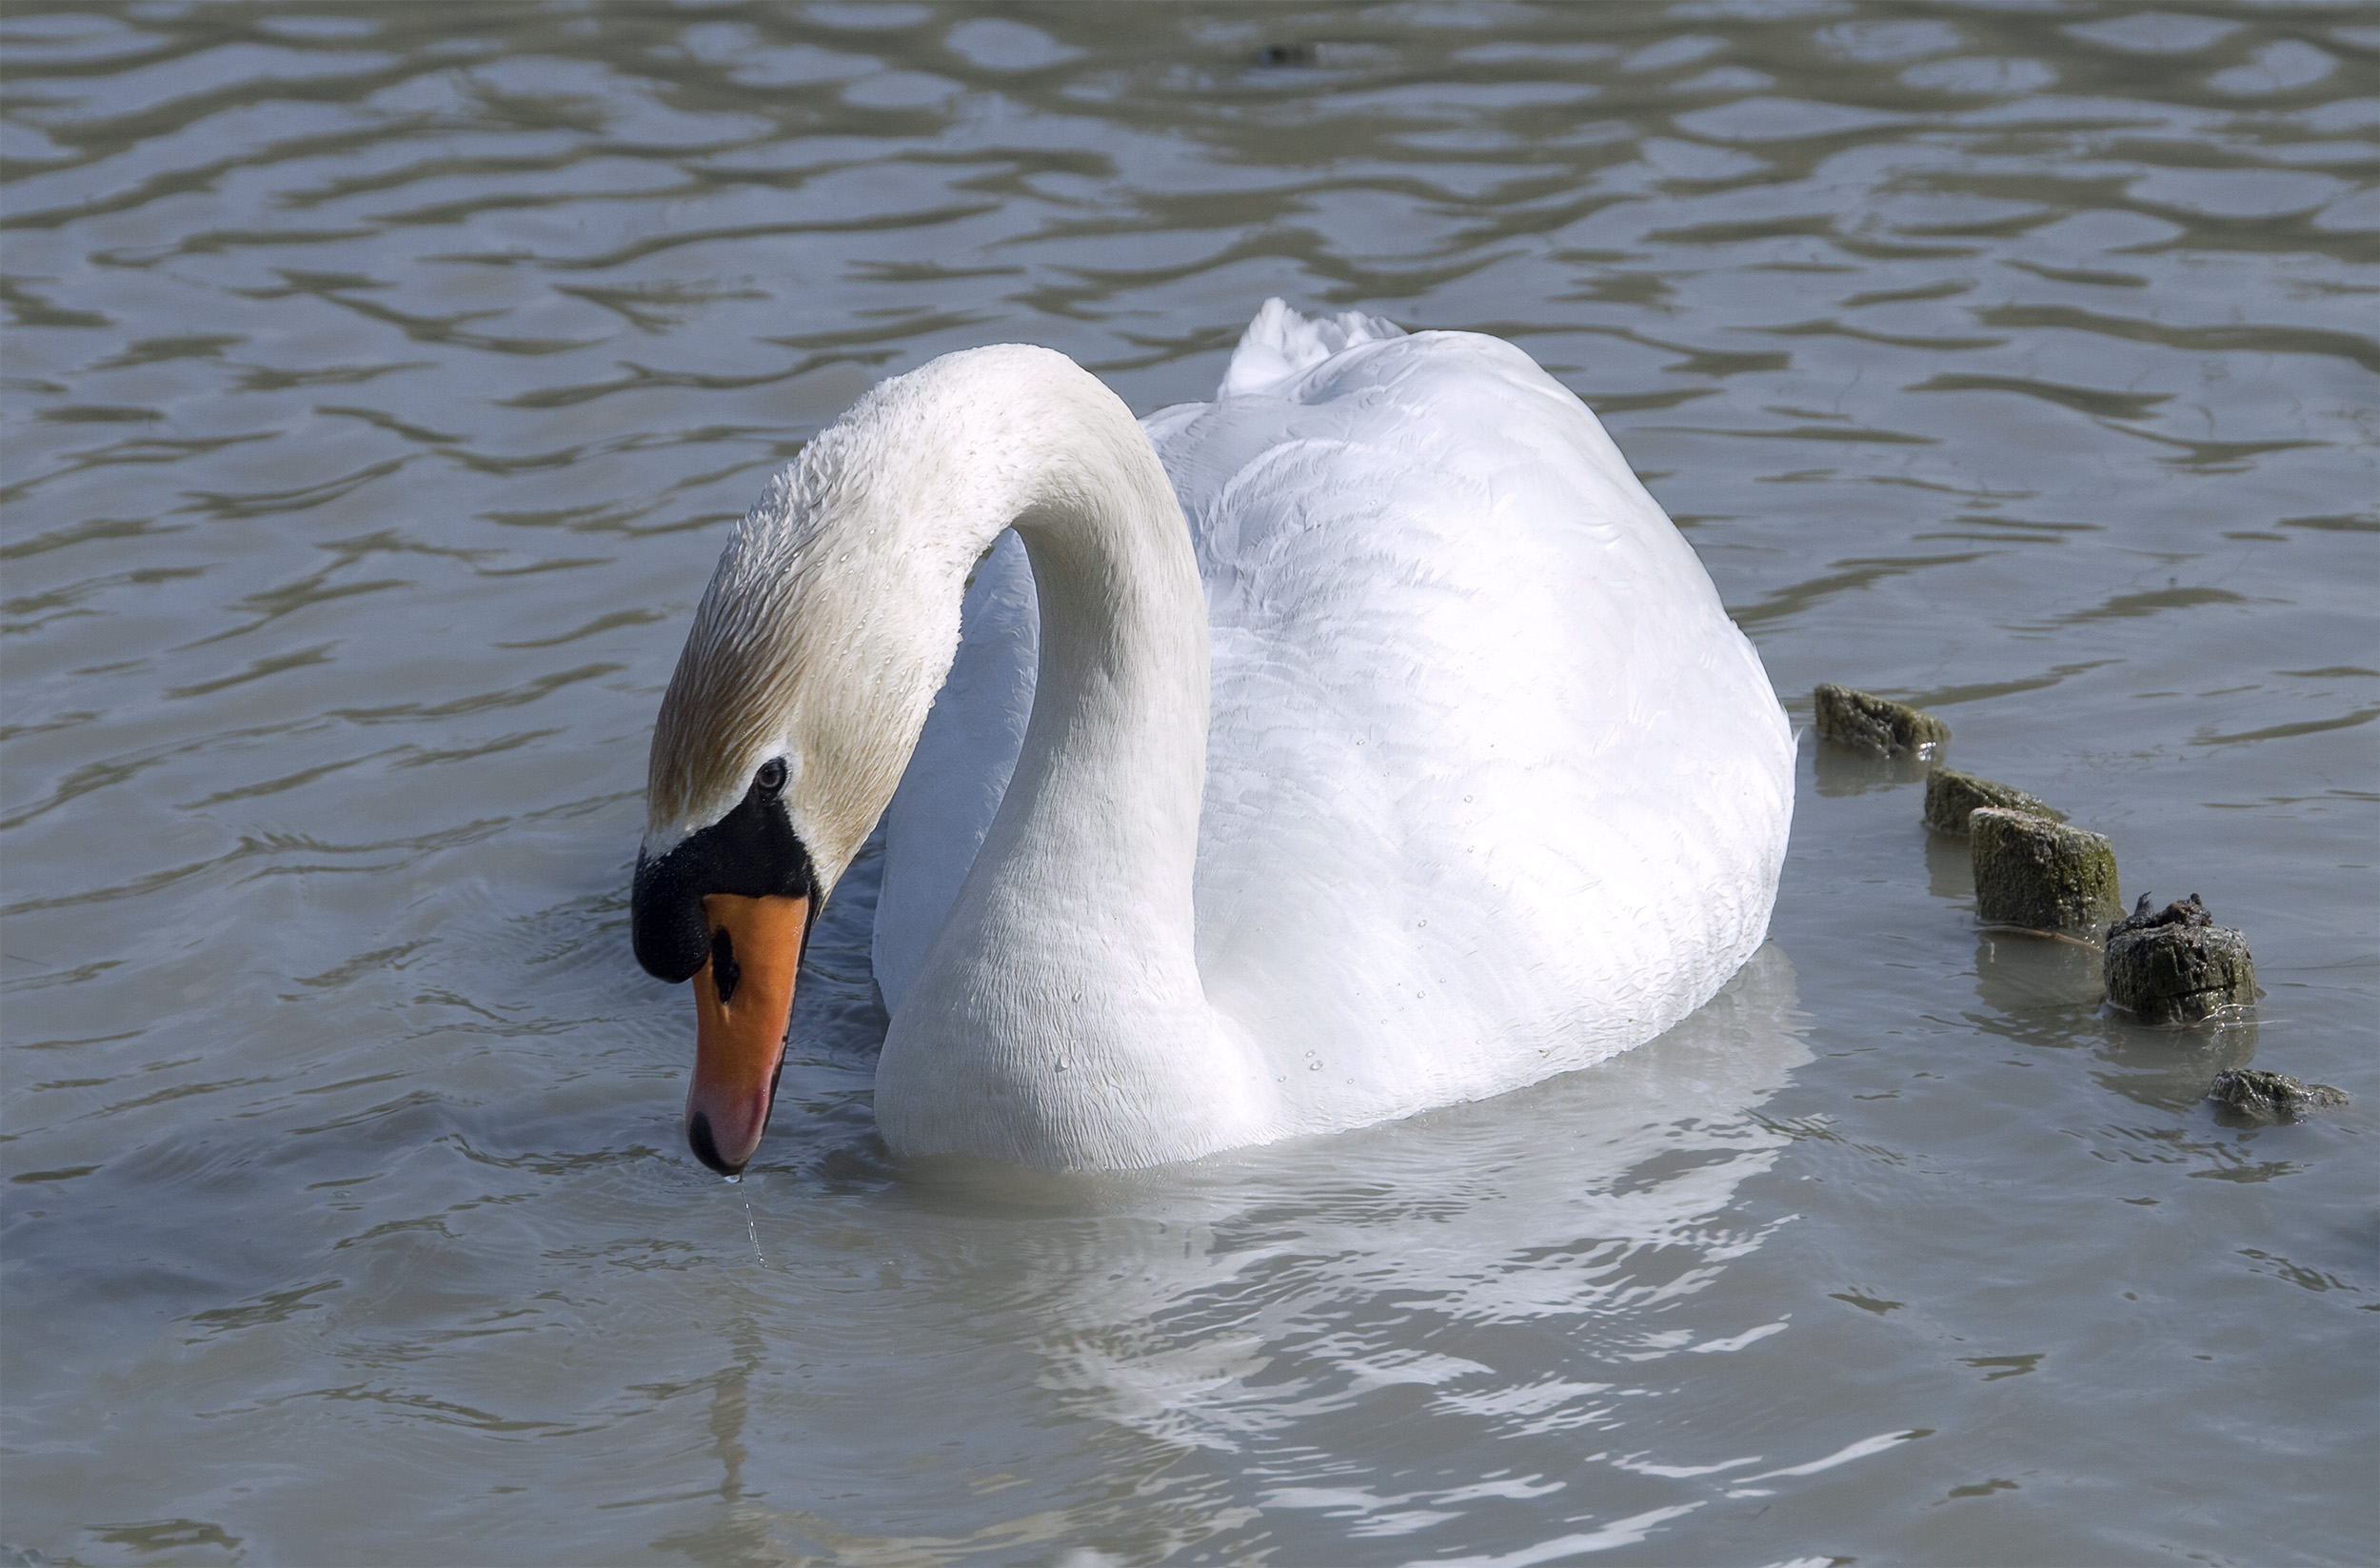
(1313, 1066)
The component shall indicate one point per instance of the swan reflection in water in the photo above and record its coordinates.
(1511, 1277)
(1532, 1207)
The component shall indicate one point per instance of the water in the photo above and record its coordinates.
(381, 384)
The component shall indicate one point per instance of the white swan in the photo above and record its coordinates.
(1423, 764)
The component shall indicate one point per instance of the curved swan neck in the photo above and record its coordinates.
(1098, 831)
(1058, 1018)
(1103, 805)
(1102, 814)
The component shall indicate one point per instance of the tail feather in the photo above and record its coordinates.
(1280, 344)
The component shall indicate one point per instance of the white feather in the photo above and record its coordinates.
(1493, 789)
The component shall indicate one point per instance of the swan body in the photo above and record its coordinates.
(1363, 741)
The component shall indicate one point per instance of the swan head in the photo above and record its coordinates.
(805, 678)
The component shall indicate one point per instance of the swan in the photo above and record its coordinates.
(1364, 741)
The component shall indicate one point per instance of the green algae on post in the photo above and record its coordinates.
(2255, 1093)
(1863, 723)
(1952, 796)
(2039, 874)
(2175, 965)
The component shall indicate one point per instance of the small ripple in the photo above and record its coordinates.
(391, 424)
(655, 245)
(257, 671)
(601, 623)
(1946, 288)
(1895, 340)
(656, 308)
(2197, 339)
(308, 592)
(265, 378)
(66, 1172)
(275, 786)
(449, 166)
(1850, 577)
(2089, 277)
(26, 308)
(82, 781)
(144, 449)
(2082, 399)
(1810, 432)
(644, 378)
(449, 329)
(2219, 456)
(1705, 362)
(181, 346)
(416, 757)
(518, 696)
(72, 413)
(176, 1091)
(75, 976)
(74, 594)
(2283, 732)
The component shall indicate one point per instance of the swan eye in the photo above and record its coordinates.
(770, 779)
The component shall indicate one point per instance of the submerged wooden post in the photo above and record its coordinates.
(1952, 797)
(2039, 874)
(1864, 723)
(2256, 1093)
(2175, 965)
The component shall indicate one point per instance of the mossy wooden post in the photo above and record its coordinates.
(2251, 1092)
(1863, 723)
(1952, 796)
(2175, 965)
(2039, 874)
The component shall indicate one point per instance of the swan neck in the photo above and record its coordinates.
(1100, 821)
(1058, 1018)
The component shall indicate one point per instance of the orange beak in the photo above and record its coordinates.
(743, 1002)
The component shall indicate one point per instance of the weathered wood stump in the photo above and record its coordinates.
(2175, 965)
(1952, 796)
(2040, 874)
(1876, 723)
(2253, 1093)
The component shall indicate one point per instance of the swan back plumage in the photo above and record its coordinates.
(1495, 787)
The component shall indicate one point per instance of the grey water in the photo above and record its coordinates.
(381, 380)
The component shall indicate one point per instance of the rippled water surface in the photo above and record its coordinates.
(380, 383)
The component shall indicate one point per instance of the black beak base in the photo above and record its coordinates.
(752, 852)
